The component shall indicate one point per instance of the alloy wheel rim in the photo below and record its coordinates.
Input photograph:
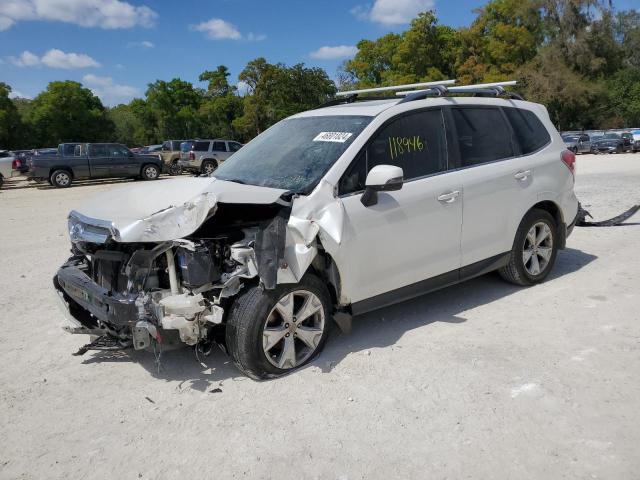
(293, 329)
(151, 172)
(62, 179)
(209, 168)
(538, 248)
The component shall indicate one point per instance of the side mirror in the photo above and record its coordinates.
(381, 178)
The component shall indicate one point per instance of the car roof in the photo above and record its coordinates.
(373, 108)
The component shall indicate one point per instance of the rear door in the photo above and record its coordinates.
(495, 154)
(410, 235)
(99, 160)
(220, 151)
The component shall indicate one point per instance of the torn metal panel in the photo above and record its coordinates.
(269, 249)
(319, 215)
(161, 211)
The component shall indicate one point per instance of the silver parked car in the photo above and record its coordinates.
(204, 156)
(577, 142)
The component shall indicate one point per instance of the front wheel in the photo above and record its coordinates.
(534, 249)
(150, 172)
(273, 332)
(208, 167)
(61, 179)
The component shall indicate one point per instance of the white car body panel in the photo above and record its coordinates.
(169, 210)
(407, 237)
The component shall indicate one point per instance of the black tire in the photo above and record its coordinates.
(619, 149)
(61, 178)
(206, 165)
(175, 168)
(247, 320)
(150, 171)
(1, 180)
(516, 271)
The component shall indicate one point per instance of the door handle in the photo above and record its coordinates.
(522, 175)
(449, 197)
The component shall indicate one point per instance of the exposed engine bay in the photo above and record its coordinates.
(143, 294)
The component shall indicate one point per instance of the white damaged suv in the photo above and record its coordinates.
(329, 213)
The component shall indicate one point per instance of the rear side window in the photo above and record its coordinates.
(98, 151)
(234, 147)
(219, 147)
(528, 129)
(201, 146)
(186, 146)
(482, 135)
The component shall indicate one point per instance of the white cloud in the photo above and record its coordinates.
(143, 44)
(218, 29)
(26, 59)
(392, 12)
(106, 14)
(109, 92)
(55, 58)
(332, 53)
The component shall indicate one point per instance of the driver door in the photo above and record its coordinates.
(409, 241)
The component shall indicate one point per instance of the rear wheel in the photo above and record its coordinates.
(208, 167)
(150, 172)
(273, 332)
(534, 249)
(61, 179)
(175, 168)
(1, 180)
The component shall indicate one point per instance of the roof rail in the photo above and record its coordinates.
(394, 88)
(494, 89)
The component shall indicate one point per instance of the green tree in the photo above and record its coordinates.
(277, 91)
(11, 126)
(129, 127)
(67, 112)
(624, 97)
(173, 106)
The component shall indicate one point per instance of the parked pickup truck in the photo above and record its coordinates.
(76, 161)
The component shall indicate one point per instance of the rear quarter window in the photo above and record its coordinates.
(529, 131)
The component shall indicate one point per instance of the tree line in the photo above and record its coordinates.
(581, 58)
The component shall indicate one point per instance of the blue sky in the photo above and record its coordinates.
(117, 47)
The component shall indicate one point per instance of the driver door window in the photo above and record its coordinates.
(415, 142)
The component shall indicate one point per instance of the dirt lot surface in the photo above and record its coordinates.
(481, 380)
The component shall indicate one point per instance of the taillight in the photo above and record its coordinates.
(569, 159)
(16, 164)
(192, 156)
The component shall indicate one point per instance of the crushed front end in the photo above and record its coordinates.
(164, 293)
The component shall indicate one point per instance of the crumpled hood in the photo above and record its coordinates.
(166, 209)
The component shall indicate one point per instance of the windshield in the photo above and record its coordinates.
(612, 135)
(294, 154)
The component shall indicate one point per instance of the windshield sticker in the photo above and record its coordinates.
(339, 137)
(400, 145)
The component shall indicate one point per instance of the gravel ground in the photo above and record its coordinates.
(480, 380)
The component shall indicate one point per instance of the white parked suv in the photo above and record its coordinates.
(329, 213)
(204, 156)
